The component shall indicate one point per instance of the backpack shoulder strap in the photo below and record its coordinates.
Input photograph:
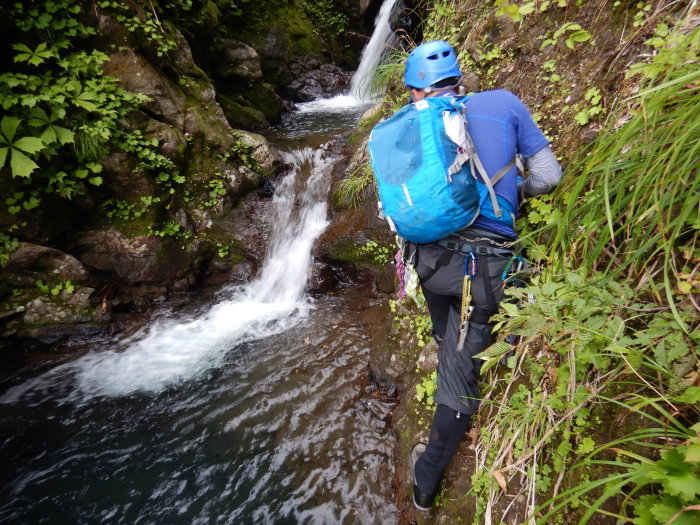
(475, 162)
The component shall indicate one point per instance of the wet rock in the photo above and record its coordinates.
(31, 262)
(240, 115)
(321, 279)
(322, 82)
(122, 179)
(52, 319)
(136, 74)
(267, 189)
(143, 258)
(274, 57)
(171, 142)
(239, 62)
(428, 358)
(267, 157)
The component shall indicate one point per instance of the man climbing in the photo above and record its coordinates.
(473, 259)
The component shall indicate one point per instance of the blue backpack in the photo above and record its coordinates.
(426, 169)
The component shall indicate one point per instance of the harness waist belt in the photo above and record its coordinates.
(476, 249)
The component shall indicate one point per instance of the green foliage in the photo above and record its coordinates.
(56, 96)
(350, 190)
(244, 152)
(380, 254)
(426, 389)
(328, 22)
(593, 98)
(514, 11)
(53, 290)
(8, 245)
(572, 32)
(171, 229)
(619, 331)
(674, 50)
(217, 189)
(419, 324)
(145, 24)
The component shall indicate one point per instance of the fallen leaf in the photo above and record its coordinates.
(499, 479)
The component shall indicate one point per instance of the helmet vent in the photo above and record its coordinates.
(433, 57)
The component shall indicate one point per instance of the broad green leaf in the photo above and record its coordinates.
(48, 136)
(679, 477)
(527, 8)
(580, 36)
(692, 455)
(3, 156)
(9, 127)
(64, 135)
(22, 166)
(691, 395)
(22, 48)
(29, 144)
(586, 446)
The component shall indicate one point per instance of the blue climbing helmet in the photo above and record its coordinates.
(430, 63)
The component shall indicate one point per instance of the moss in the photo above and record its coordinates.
(262, 97)
(240, 116)
(347, 249)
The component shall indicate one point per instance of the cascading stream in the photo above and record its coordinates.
(175, 350)
(380, 42)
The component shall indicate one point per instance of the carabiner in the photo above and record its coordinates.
(470, 258)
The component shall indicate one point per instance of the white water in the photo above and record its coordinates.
(360, 92)
(380, 41)
(171, 351)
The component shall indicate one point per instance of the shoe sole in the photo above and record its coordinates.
(416, 453)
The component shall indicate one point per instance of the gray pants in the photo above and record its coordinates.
(458, 373)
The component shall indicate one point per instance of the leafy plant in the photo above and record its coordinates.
(572, 32)
(593, 97)
(514, 11)
(16, 149)
(426, 389)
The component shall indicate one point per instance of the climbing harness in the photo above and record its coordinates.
(469, 274)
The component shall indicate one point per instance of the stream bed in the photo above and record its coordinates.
(258, 408)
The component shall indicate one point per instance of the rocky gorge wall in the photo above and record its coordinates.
(155, 210)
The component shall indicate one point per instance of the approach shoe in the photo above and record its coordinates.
(421, 500)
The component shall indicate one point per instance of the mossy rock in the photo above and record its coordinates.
(240, 116)
(263, 98)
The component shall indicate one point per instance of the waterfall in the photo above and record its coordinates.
(170, 351)
(381, 40)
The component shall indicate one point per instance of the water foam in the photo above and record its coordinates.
(171, 350)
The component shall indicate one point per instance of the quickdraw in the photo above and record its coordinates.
(469, 274)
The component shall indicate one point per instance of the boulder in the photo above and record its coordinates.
(32, 262)
(268, 157)
(321, 279)
(65, 310)
(143, 258)
(325, 81)
(240, 115)
(239, 63)
(122, 179)
(274, 57)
